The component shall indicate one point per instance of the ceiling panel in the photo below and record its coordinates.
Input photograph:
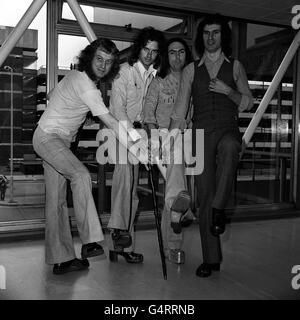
(249, 11)
(265, 11)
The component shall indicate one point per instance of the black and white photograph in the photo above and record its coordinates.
(150, 153)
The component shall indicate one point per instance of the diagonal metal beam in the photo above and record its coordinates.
(82, 20)
(15, 35)
(272, 89)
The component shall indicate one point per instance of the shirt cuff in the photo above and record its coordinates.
(244, 103)
(133, 134)
(178, 123)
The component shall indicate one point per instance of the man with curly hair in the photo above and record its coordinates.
(126, 103)
(219, 89)
(70, 101)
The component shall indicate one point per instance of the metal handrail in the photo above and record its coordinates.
(20, 28)
(271, 90)
(266, 153)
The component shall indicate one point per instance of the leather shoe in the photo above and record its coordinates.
(179, 207)
(130, 257)
(91, 250)
(187, 219)
(218, 221)
(186, 222)
(71, 265)
(121, 239)
(205, 269)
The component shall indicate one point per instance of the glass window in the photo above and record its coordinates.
(69, 48)
(123, 18)
(18, 103)
(264, 171)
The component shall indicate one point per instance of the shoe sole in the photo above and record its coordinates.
(135, 261)
(180, 205)
(182, 202)
(113, 257)
(68, 271)
(186, 222)
(203, 275)
(72, 269)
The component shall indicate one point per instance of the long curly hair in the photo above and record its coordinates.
(225, 34)
(165, 66)
(145, 35)
(86, 57)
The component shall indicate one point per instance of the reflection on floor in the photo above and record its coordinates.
(258, 261)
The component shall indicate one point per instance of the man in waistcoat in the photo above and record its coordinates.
(219, 89)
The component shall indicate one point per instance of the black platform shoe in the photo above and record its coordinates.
(218, 221)
(130, 257)
(205, 269)
(121, 239)
(91, 250)
(69, 266)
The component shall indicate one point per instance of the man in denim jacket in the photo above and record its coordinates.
(126, 104)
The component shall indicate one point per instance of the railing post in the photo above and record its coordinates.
(282, 181)
(82, 20)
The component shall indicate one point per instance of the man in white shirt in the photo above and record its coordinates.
(126, 104)
(70, 101)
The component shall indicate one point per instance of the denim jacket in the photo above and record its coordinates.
(128, 93)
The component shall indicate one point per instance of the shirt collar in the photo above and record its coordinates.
(202, 60)
(144, 72)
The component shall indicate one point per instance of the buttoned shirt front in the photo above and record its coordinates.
(160, 100)
(184, 93)
(129, 90)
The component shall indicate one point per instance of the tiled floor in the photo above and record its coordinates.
(258, 259)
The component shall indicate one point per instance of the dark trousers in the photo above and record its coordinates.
(214, 185)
